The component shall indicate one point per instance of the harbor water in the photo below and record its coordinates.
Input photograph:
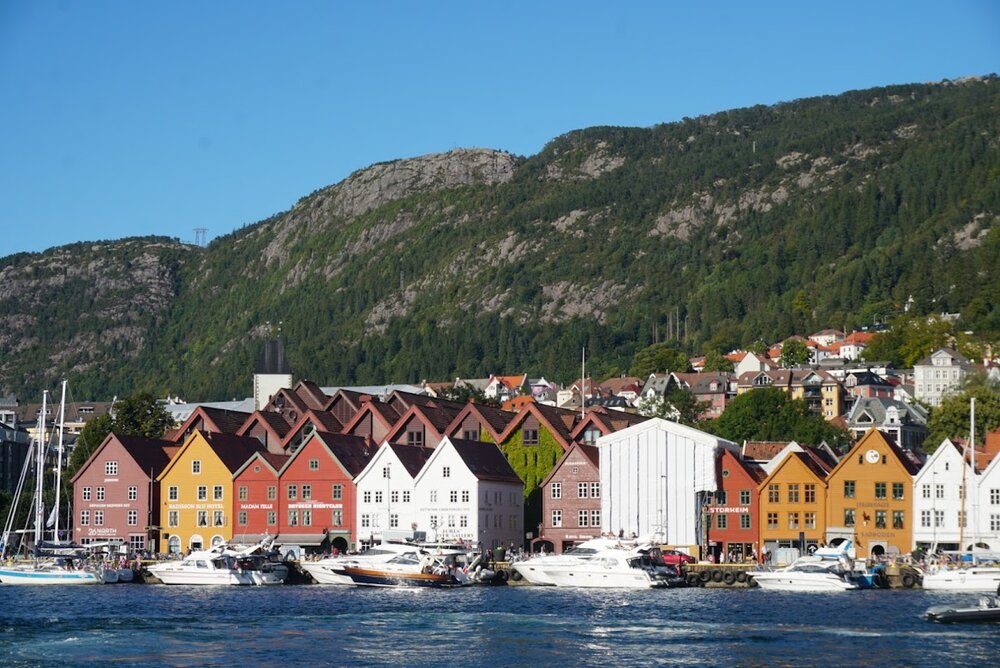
(482, 626)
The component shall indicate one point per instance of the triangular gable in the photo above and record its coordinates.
(801, 456)
(938, 454)
(434, 419)
(495, 420)
(157, 456)
(589, 452)
(319, 421)
(875, 440)
(261, 458)
(329, 444)
(209, 419)
(379, 412)
(552, 418)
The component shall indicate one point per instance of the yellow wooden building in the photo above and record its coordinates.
(870, 498)
(196, 490)
(793, 498)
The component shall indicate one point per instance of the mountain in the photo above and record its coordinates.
(716, 231)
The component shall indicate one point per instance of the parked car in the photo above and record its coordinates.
(676, 557)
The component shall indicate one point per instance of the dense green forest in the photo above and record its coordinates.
(711, 233)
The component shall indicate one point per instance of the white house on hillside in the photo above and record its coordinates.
(655, 477)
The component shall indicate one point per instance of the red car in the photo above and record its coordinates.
(676, 558)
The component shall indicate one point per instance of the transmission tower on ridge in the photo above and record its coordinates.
(199, 236)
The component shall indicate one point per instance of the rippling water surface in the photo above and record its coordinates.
(499, 626)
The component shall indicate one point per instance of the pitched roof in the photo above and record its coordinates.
(149, 454)
(485, 461)
(353, 452)
(232, 450)
(496, 419)
(412, 457)
(762, 451)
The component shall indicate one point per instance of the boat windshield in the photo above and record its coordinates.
(407, 558)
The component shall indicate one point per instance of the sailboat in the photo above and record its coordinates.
(53, 563)
(974, 576)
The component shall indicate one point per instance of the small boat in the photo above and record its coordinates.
(47, 573)
(536, 569)
(827, 569)
(409, 570)
(330, 570)
(222, 565)
(987, 609)
(972, 578)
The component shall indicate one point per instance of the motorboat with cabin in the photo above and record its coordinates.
(827, 569)
(536, 569)
(222, 565)
(600, 562)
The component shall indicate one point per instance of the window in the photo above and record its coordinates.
(793, 493)
(793, 520)
(994, 522)
(110, 468)
(217, 493)
(897, 519)
(962, 516)
(453, 496)
(338, 492)
(84, 518)
(583, 518)
(203, 518)
(445, 471)
(810, 492)
(925, 490)
(530, 437)
(744, 497)
(939, 491)
(720, 497)
(556, 488)
(394, 496)
(897, 491)
(86, 494)
(938, 519)
(463, 521)
(880, 519)
(293, 518)
(595, 519)
(133, 493)
(244, 493)
(722, 521)
(307, 518)
(272, 492)
(772, 520)
(293, 492)
(557, 518)
(744, 520)
(406, 496)
(100, 493)
(595, 490)
(995, 497)
(137, 542)
(394, 521)
(133, 518)
(378, 497)
(203, 492)
(195, 466)
(272, 518)
(848, 489)
(307, 492)
(338, 517)
(850, 517)
(314, 465)
(434, 496)
(880, 490)
(218, 518)
(582, 489)
(810, 520)
(242, 518)
(465, 496)
(774, 493)
(925, 519)
(173, 518)
(471, 434)
(415, 438)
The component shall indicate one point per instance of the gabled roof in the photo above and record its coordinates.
(435, 420)
(272, 422)
(956, 357)
(495, 419)
(214, 419)
(558, 421)
(590, 452)
(232, 451)
(150, 455)
(910, 464)
(321, 420)
(701, 383)
(606, 421)
(352, 453)
(877, 408)
(813, 463)
(412, 457)
(380, 411)
(762, 451)
(752, 469)
(272, 461)
(485, 460)
(619, 384)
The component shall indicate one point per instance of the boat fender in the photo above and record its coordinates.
(909, 581)
(515, 576)
(502, 575)
(704, 576)
(717, 576)
(729, 577)
(741, 576)
(693, 579)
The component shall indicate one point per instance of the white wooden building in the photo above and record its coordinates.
(386, 506)
(937, 502)
(655, 477)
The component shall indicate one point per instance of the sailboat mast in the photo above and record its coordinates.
(39, 470)
(975, 482)
(583, 384)
(59, 457)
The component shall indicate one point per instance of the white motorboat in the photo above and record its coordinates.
(614, 568)
(331, 569)
(972, 578)
(536, 569)
(411, 570)
(221, 565)
(827, 569)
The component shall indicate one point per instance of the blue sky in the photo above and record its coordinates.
(122, 118)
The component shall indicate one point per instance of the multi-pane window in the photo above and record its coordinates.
(810, 492)
(939, 491)
(173, 518)
(880, 519)
(314, 465)
(445, 471)
(962, 516)
(994, 522)
(86, 494)
(583, 518)
(995, 497)
(595, 518)
(595, 490)
(242, 518)
(406, 496)
(774, 493)
(744, 497)
(338, 517)
(293, 518)
(393, 521)
(272, 492)
(556, 488)
(925, 519)
(337, 492)
(530, 437)
(202, 518)
(218, 518)
(133, 493)
(100, 494)
(880, 490)
(793, 493)
(582, 489)
(925, 491)
(720, 497)
(394, 496)
(195, 466)
(217, 493)
(848, 489)
(453, 496)
(463, 521)
(772, 520)
(897, 491)
(722, 521)
(557, 518)
(744, 520)
(307, 518)
(465, 496)
(203, 492)
(133, 518)
(849, 517)
(793, 520)
(378, 497)
(810, 520)
(307, 492)
(293, 492)
(897, 519)
(244, 492)
(938, 519)
(84, 518)
(434, 496)
(99, 518)
(272, 518)
(111, 468)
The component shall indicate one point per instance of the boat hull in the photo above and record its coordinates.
(374, 578)
(598, 579)
(963, 579)
(777, 581)
(178, 576)
(984, 612)
(326, 574)
(15, 576)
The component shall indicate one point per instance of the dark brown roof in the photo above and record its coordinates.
(485, 461)
(226, 421)
(353, 452)
(275, 421)
(147, 453)
(562, 420)
(328, 421)
(412, 457)
(275, 460)
(234, 451)
(311, 393)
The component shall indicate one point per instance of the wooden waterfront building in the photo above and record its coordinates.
(257, 505)
(571, 500)
(793, 499)
(734, 513)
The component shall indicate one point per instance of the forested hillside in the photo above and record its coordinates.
(716, 232)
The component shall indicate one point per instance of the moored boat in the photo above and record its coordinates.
(987, 609)
(222, 565)
(409, 570)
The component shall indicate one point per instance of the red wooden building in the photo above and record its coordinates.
(256, 502)
(571, 499)
(734, 514)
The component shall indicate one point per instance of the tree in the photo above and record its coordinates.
(794, 353)
(680, 405)
(137, 415)
(658, 358)
(951, 419)
(768, 414)
(716, 361)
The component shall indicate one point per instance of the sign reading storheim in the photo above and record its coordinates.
(718, 510)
